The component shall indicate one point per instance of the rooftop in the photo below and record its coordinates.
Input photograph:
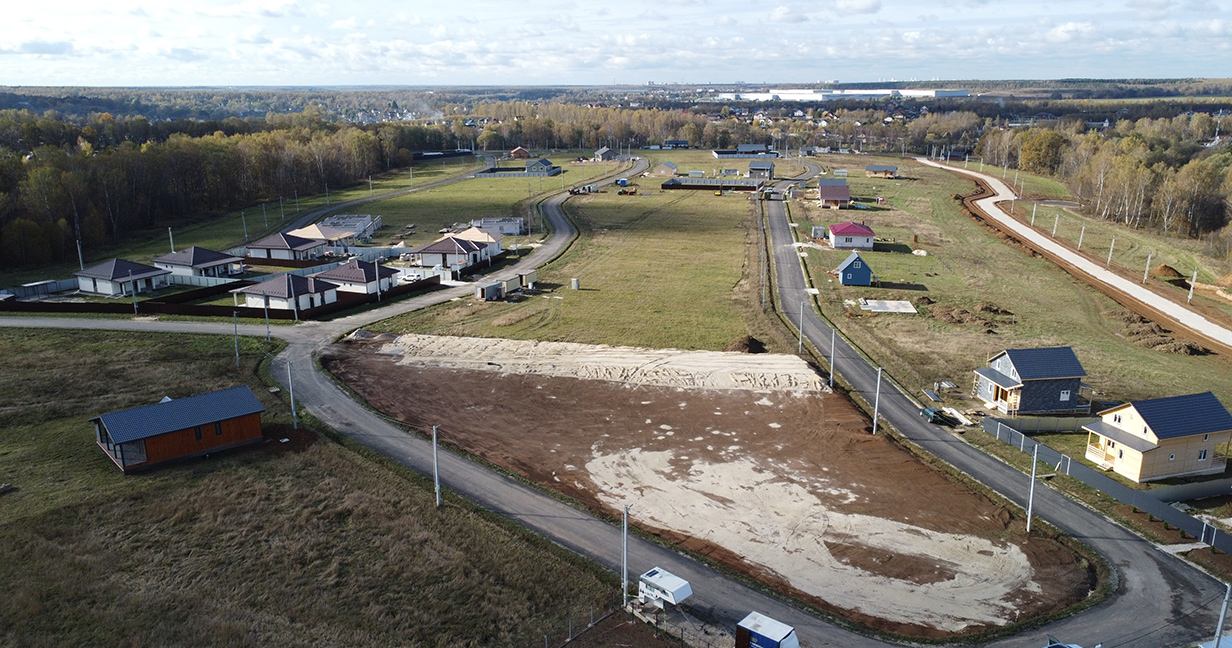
(179, 414)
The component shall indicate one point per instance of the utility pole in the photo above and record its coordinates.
(291, 386)
(1110, 249)
(235, 320)
(369, 186)
(265, 304)
(1223, 616)
(132, 287)
(264, 216)
(81, 260)
(1082, 234)
(436, 467)
(833, 334)
(876, 400)
(1054, 225)
(1031, 496)
(624, 560)
(1191, 286)
(172, 238)
(244, 220)
(281, 212)
(800, 345)
(1146, 273)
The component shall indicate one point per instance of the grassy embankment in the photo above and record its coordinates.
(662, 269)
(297, 544)
(224, 231)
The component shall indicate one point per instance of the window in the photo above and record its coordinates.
(855, 264)
(1206, 437)
(1144, 430)
(197, 430)
(1064, 395)
(1202, 455)
(218, 429)
(1120, 454)
(1116, 418)
(1171, 457)
(848, 239)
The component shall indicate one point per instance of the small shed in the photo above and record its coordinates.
(519, 153)
(854, 271)
(658, 586)
(881, 171)
(605, 154)
(490, 292)
(763, 169)
(665, 169)
(172, 429)
(760, 631)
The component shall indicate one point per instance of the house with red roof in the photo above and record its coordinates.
(851, 236)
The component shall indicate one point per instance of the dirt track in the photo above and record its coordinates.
(787, 486)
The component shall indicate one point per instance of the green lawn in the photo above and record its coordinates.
(656, 270)
(303, 544)
(967, 266)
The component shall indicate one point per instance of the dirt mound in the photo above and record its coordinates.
(1164, 271)
(1224, 281)
(925, 300)
(1145, 333)
(992, 309)
(948, 315)
(746, 344)
(1141, 330)
(1126, 316)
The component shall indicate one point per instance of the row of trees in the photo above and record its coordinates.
(1161, 173)
(54, 196)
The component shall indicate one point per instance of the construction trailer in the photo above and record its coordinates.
(657, 587)
(760, 631)
(510, 285)
(529, 278)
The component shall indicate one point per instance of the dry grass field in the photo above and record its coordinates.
(305, 543)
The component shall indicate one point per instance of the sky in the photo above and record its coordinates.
(542, 42)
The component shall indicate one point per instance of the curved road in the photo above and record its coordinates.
(1160, 600)
(1155, 591)
(1173, 310)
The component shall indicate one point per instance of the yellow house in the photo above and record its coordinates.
(1162, 437)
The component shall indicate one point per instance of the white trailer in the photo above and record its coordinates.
(658, 587)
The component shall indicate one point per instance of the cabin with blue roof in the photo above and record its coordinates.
(172, 429)
(854, 271)
(1162, 437)
(1033, 381)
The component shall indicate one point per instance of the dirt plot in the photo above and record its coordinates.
(785, 485)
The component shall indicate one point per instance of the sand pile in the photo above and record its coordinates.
(1165, 272)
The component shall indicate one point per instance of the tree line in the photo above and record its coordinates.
(1168, 174)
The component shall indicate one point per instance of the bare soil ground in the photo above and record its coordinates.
(787, 486)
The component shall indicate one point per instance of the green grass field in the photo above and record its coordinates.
(224, 231)
(303, 544)
(967, 266)
(656, 270)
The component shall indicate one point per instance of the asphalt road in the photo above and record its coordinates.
(1160, 600)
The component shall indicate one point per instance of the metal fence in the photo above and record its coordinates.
(44, 288)
(186, 280)
(1036, 424)
(1204, 532)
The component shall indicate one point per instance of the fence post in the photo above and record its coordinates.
(998, 430)
(1022, 442)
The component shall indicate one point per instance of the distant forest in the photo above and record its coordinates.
(93, 164)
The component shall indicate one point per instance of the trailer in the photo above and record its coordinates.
(760, 631)
(657, 587)
(510, 285)
(529, 278)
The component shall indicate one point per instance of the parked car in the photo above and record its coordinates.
(938, 417)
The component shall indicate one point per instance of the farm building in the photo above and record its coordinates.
(605, 154)
(760, 631)
(745, 151)
(331, 235)
(288, 292)
(286, 246)
(519, 153)
(879, 171)
(665, 169)
(200, 262)
(763, 169)
(1032, 381)
(142, 437)
(713, 184)
(360, 277)
(853, 271)
(833, 194)
(538, 168)
(676, 144)
(121, 277)
(449, 252)
(851, 236)
(489, 241)
(1161, 437)
(507, 226)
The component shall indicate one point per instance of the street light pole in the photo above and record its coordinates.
(876, 400)
(436, 468)
(1031, 496)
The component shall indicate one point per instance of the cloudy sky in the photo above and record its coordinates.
(537, 42)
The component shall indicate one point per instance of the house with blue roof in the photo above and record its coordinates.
(854, 271)
(1162, 437)
(1033, 381)
(172, 429)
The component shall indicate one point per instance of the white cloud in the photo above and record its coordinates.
(439, 32)
(782, 14)
(1069, 32)
(858, 6)
(50, 48)
(253, 36)
(344, 23)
